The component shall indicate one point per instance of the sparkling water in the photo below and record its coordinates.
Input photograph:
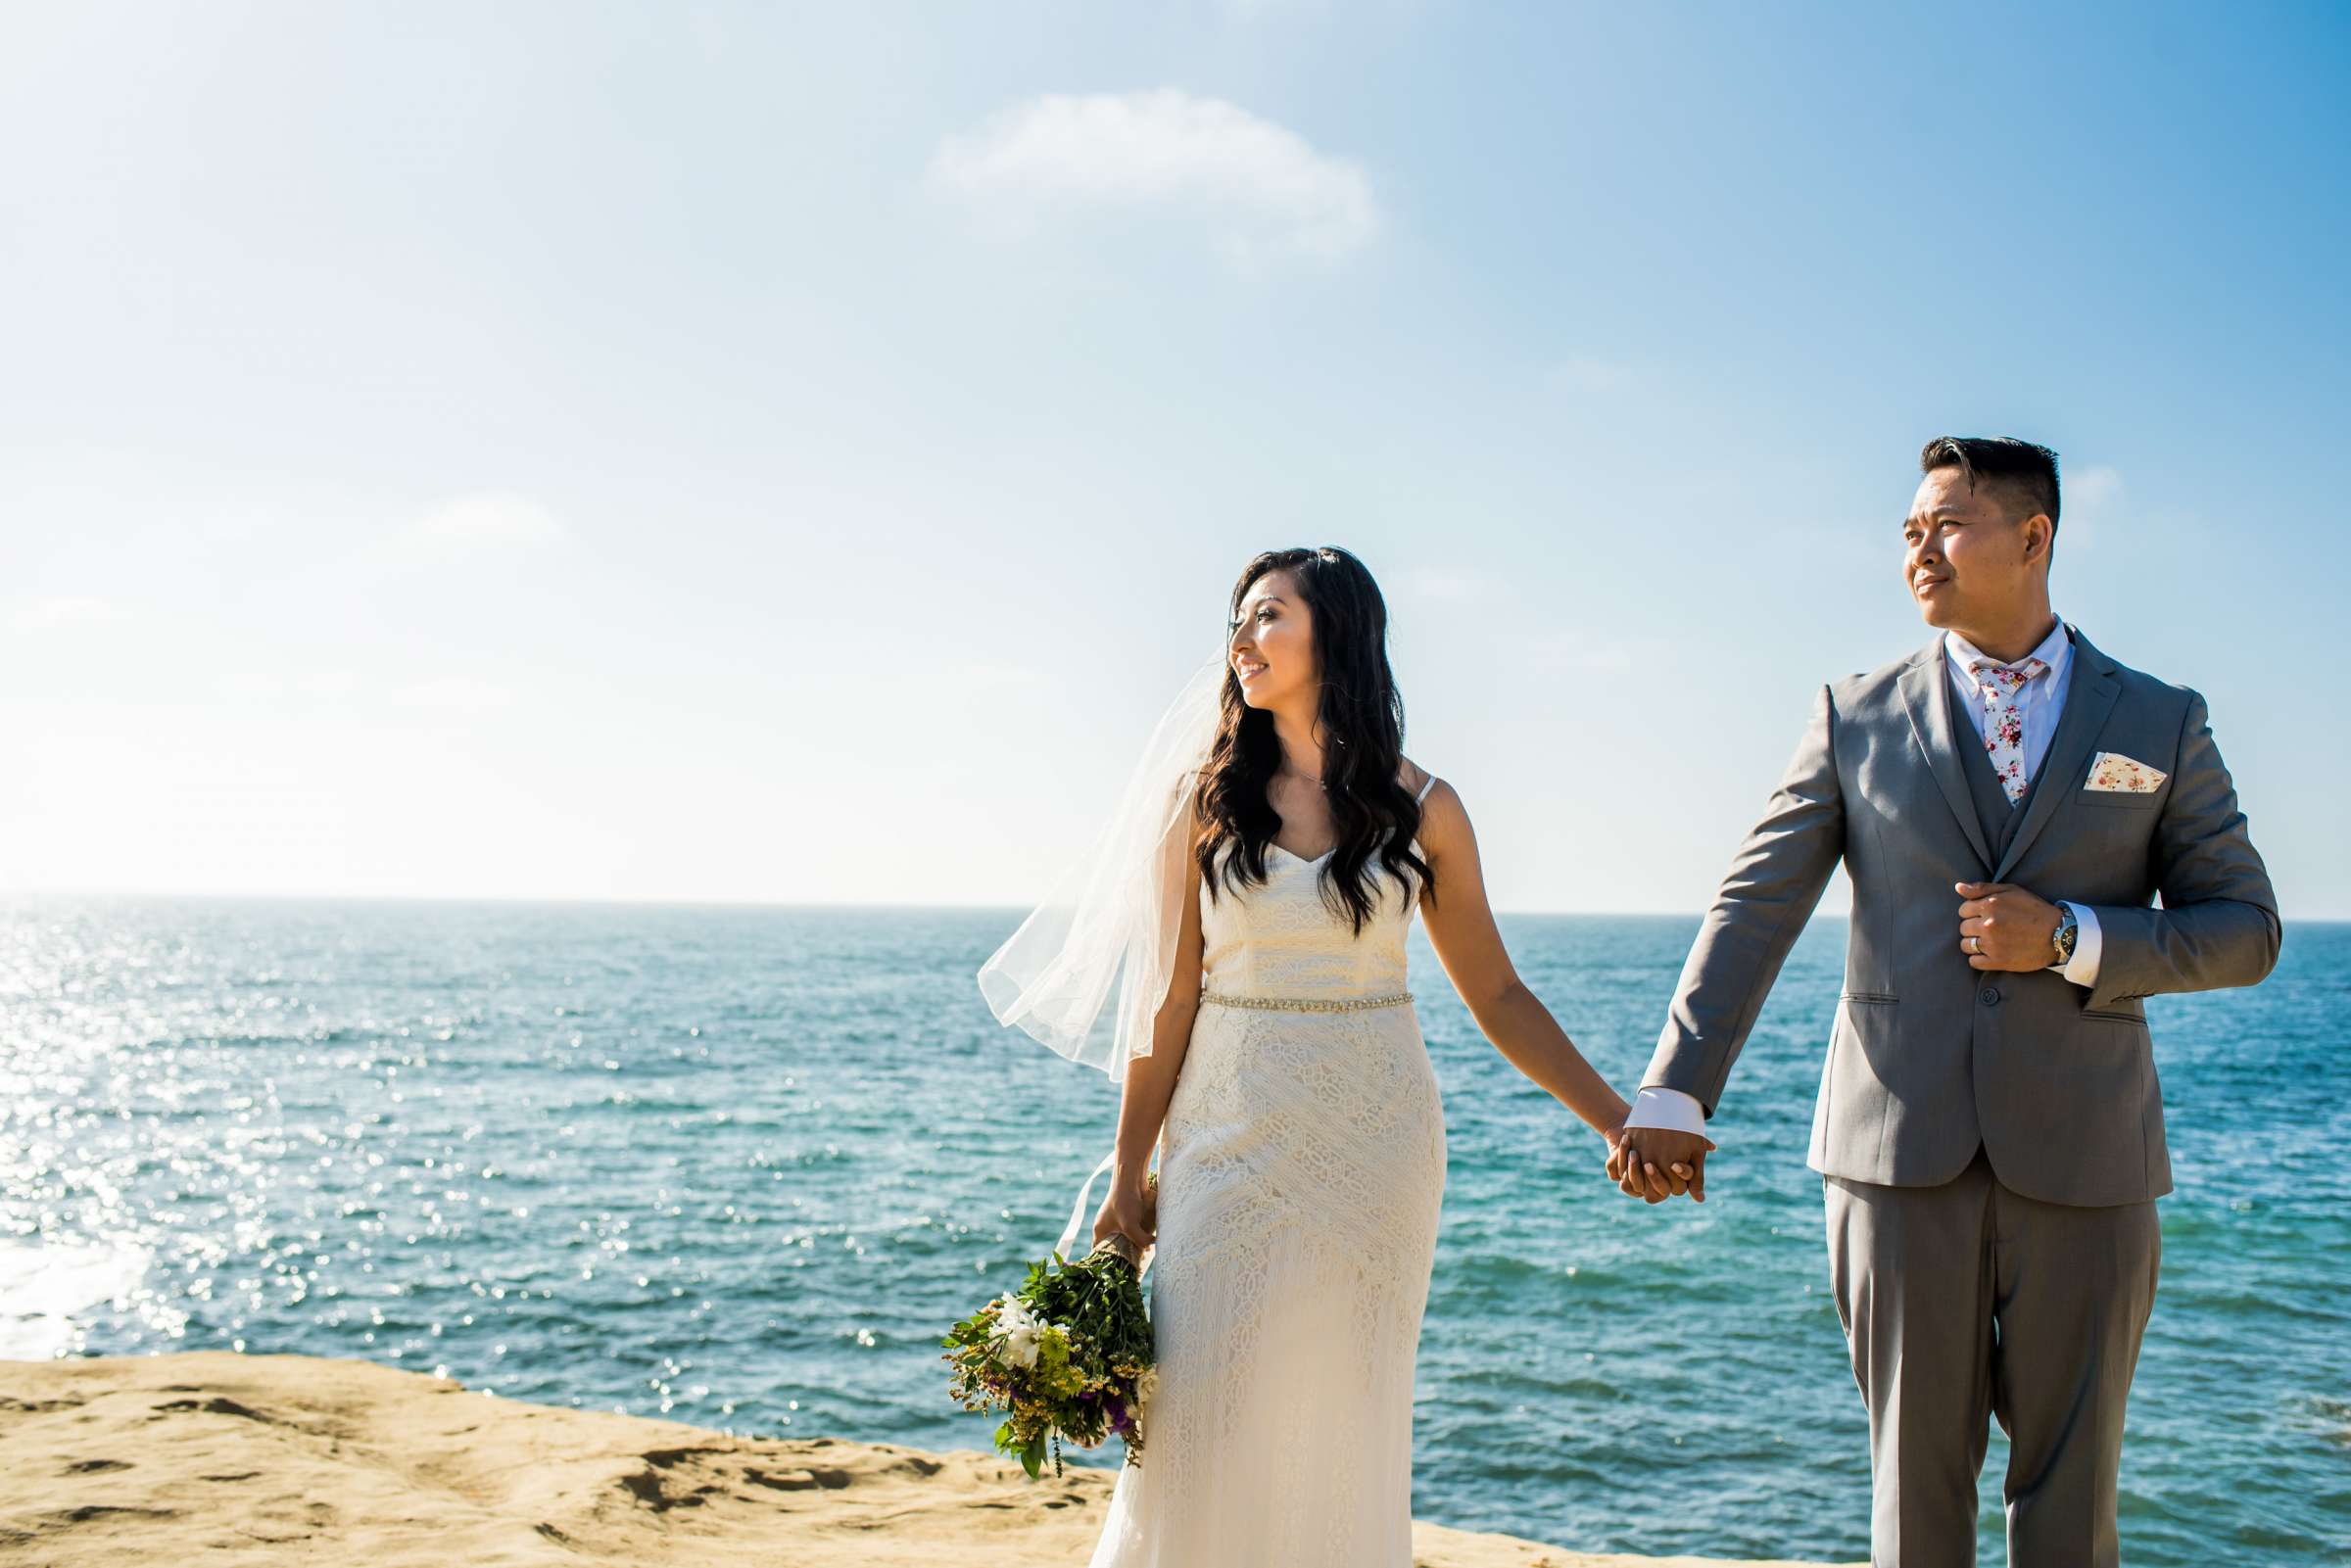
(740, 1167)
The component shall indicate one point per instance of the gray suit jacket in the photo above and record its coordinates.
(1930, 1058)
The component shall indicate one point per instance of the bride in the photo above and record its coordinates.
(1254, 895)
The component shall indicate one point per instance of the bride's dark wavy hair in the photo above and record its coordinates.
(1362, 719)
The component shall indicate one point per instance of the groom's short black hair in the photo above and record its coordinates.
(2026, 472)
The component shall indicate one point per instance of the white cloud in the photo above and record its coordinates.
(268, 687)
(1257, 187)
(484, 521)
(2092, 489)
(251, 687)
(329, 684)
(454, 693)
(70, 610)
(2092, 496)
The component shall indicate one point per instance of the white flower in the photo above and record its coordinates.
(1016, 1333)
(1146, 1389)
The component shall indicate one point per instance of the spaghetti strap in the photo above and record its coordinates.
(1426, 785)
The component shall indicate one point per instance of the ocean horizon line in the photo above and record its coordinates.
(777, 906)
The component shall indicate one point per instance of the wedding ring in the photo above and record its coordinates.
(1975, 944)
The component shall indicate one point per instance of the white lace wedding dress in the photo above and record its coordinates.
(1301, 1172)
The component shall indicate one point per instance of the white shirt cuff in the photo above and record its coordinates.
(1667, 1108)
(2083, 967)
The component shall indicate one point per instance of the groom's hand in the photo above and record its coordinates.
(1655, 1163)
(2005, 928)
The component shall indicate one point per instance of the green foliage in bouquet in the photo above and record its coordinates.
(1067, 1355)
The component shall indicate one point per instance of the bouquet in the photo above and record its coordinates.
(1067, 1354)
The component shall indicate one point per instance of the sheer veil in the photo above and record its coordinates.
(1115, 915)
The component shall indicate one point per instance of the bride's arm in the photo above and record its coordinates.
(1150, 1081)
(1461, 927)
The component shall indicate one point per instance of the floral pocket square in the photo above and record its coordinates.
(2112, 773)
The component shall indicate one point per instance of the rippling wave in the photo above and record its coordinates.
(740, 1167)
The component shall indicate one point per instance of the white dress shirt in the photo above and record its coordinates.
(2040, 704)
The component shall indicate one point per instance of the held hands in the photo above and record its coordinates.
(2005, 928)
(2001, 927)
(1131, 1209)
(1655, 1163)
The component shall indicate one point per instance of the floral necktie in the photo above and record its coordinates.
(2000, 685)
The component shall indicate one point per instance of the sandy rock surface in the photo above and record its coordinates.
(224, 1458)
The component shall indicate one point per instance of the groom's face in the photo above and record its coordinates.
(1964, 557)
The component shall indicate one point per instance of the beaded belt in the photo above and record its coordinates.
(1285, 1004)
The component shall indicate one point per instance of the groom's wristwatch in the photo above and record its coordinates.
(2067, 928)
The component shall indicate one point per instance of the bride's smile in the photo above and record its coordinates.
(1272, 643)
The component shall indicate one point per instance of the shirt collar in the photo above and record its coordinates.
(2056, 650)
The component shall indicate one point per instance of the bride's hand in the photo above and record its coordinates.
(1637, 1153)
(1613, 1136)
(1131, 1209)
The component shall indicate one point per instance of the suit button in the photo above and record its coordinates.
(1989, 996)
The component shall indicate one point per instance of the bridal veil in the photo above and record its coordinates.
(1114, 915)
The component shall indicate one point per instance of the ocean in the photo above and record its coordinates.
(741, 1166)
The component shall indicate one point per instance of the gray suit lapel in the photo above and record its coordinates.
(2090, 695)
(1931, 727)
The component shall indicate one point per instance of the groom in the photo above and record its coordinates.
(2009, 802)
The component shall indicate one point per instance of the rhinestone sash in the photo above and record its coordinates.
(1308, 1003)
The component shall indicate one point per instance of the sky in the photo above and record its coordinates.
(791, 453)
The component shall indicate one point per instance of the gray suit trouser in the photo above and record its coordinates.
(1968, 1300)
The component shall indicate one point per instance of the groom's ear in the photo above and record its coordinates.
(2040, 538)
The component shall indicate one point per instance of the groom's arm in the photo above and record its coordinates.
(1769, 892)
(2219, 924)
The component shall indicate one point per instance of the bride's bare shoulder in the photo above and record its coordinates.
(1440, 805)
(1415, 778)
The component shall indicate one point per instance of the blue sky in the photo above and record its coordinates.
(789, 454)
